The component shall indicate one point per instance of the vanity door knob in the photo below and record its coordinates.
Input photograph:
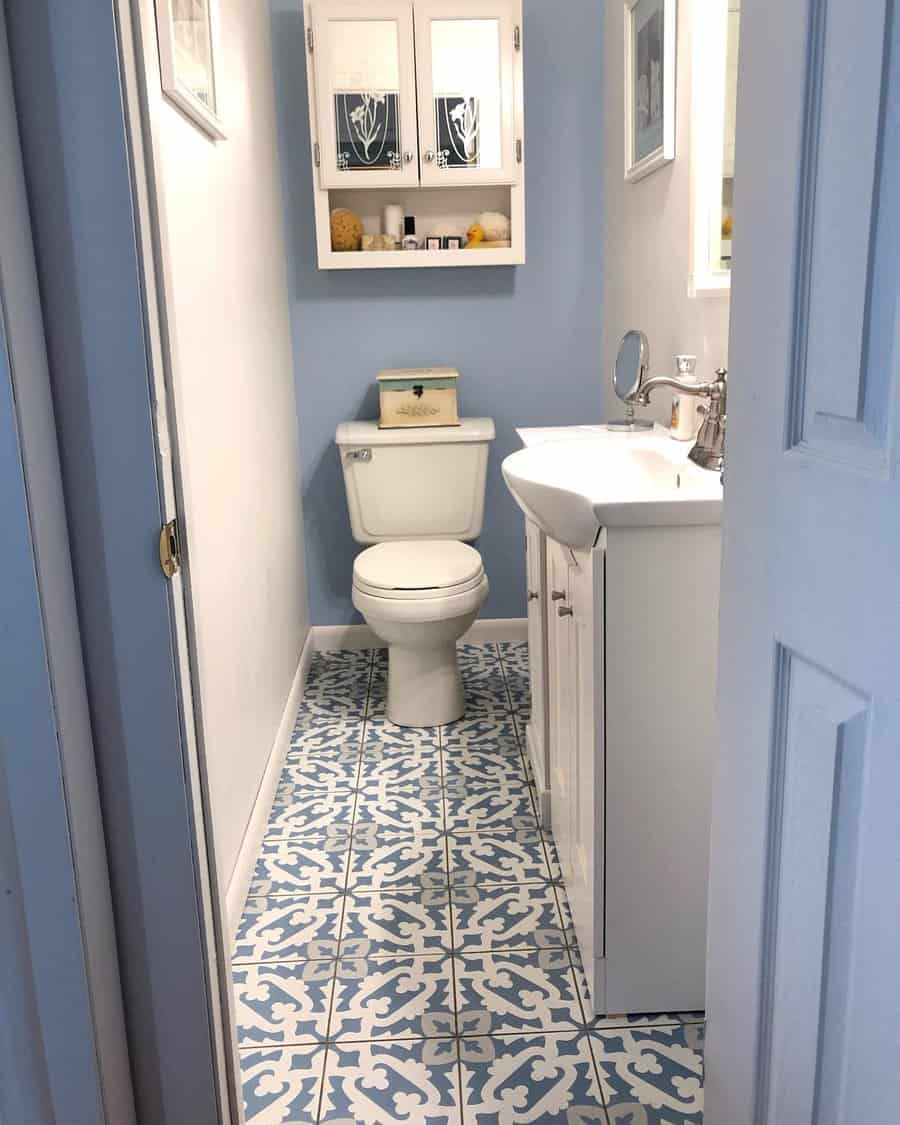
(429, 156)
(533, 595)
(408, 157)
(565, 611)
(558, 595)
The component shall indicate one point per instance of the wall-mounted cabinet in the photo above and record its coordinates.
(417, 103)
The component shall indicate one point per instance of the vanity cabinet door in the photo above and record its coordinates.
(585, 879)
(468, 55)
(364, 65)
(576, 728)
(536, 730)
(561, 727)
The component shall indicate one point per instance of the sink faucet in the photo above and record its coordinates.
(709, 450)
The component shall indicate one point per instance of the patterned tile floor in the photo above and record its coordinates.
(406, 954)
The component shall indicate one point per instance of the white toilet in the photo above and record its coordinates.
(417, 494)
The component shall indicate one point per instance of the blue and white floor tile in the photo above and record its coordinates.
(392, 998)
(652, 1075)
(281, 1085)
(410, 1081)
(547, 1079)
(407, 952)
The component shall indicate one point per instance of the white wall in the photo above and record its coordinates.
(647, 260)
(237, 417)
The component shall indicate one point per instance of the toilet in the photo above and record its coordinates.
(417, 497)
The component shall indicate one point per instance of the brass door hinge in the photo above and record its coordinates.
(517, 38)
(169, 549)
(310, 42)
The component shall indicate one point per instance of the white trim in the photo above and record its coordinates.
(239, 883)
(536, 757)
(488, 630)
(708, 81)
(665, 154)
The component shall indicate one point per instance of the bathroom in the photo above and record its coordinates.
(459, 772)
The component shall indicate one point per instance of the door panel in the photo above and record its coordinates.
(803, 980)
(465, 73)
(365, 94)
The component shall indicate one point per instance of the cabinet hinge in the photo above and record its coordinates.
(169, 549)
(309, 40)
(316, 154)
(518, 150)
(517, 38)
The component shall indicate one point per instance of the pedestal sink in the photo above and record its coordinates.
(571, 487)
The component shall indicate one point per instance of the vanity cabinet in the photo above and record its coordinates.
(417, 103)
(630, 646)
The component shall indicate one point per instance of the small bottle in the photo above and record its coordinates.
(684, 407)
(410, 242)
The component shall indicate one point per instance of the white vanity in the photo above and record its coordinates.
(623, 586)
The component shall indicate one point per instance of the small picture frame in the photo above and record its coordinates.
(189, 54)
(452, 242)
(650, 30)
(432, 242)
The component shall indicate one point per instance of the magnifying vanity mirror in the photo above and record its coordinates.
(631, 370)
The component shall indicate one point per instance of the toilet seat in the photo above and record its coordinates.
(418, 570)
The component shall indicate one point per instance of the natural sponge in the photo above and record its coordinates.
(346, 229)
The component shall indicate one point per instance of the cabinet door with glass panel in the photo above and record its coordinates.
(467, 87)
(365, 86)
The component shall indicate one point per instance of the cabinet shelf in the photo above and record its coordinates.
(417, 259)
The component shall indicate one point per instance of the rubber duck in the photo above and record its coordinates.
(474, 236)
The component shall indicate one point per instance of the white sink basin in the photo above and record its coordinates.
(574, 486)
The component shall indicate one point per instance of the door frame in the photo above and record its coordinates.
(79, 137)
(63, 1053)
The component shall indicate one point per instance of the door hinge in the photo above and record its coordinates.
(517, 38)
(309, 40)
(317, 157)
(518, 151)
(169, 549)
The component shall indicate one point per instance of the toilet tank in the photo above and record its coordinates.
(425, 483)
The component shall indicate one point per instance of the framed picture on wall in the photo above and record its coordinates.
(649, 86)
(189, 55)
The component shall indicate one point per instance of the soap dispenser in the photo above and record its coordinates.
(684, 407)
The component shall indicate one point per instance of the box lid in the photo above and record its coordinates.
(368, 433)
(419, 374)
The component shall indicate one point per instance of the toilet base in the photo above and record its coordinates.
(424, 686)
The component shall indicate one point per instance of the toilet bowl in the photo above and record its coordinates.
(419, 597)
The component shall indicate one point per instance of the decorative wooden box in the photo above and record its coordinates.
(423, 397)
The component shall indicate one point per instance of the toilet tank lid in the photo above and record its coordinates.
(368, 433)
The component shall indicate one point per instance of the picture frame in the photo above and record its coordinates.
(650, 60)
(189, 61)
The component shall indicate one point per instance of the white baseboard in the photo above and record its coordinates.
(488, 630)
(251, 844)
(329, 638)
(541, 782)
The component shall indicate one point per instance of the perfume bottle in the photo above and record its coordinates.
(410, 242)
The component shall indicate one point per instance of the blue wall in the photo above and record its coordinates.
(526, 340)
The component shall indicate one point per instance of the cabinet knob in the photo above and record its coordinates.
(558, 595)
(409, 157)
(533, 595)
(565, 611)
(429, 156)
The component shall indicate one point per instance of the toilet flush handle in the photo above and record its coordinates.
(364, 454)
